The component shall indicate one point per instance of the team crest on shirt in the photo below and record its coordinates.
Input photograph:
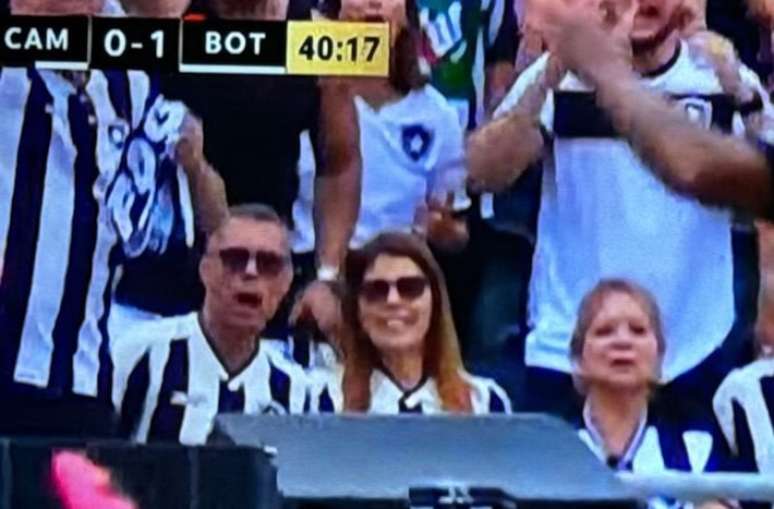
(698, 111)
(416, 141)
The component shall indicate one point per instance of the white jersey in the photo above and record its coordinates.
(604, 214)
(387, 397)
(411, 149)
(744, 407)
(175, 390)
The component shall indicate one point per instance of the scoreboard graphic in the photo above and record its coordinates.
(331, 48)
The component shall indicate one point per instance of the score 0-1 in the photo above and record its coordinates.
(127, 43)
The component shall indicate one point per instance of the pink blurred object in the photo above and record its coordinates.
(80, 484)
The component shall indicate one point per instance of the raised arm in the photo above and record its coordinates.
(499, 152)
(712, 167)
(208, 191)
(337, 183)
(707, 165)
(336, 203)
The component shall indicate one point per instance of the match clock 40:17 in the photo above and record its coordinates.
(338, 48)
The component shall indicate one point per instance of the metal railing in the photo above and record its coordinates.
(703, 487)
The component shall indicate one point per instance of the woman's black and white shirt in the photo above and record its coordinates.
(659, 444)
(388, 397)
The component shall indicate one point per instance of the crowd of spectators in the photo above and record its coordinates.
(554, 207)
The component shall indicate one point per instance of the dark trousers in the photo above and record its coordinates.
(31, 413)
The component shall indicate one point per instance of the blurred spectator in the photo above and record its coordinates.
(745, 400)
(214, 363)
(617, 350)
(252, 126)
(81, 147)
(156, 8)
(413, 169)
(401, 353)
(162, 287)
(747, 23)
(716, 169)
(743, 406)
(469, 48)
(412, 156)
(604, 214)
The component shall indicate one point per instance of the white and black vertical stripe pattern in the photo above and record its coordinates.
(660, 444)
(388, 396)
(58, 246)
(744, 407)
(178, 386)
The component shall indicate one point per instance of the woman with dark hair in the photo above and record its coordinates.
(413, 165)
(617, 349)
(400, 348)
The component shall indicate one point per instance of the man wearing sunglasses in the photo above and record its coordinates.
(214, 362)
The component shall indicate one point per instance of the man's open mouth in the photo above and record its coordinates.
(248, 299)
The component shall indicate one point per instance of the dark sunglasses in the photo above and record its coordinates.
(236, 259)
(409, 288)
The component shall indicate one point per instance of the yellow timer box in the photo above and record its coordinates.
(338, 48)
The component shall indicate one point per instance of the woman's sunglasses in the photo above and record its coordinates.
(409, 288)
(267, 263)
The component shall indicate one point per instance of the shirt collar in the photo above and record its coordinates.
(626, 460)
(384, 386)
(258, 356)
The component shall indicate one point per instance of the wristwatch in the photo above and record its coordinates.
(328, 273)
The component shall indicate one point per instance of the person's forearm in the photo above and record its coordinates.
(714, 168)
(500, 152)
(336, 207)
(208, 193)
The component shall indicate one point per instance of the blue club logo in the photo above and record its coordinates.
(416, 141)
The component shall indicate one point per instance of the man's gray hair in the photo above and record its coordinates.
(257, 212)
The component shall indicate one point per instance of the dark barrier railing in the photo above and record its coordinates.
(153, 476)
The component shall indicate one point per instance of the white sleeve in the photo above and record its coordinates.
(487, 397)
(530, 75)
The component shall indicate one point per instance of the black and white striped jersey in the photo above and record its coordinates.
(85, 174)
(179, 385)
